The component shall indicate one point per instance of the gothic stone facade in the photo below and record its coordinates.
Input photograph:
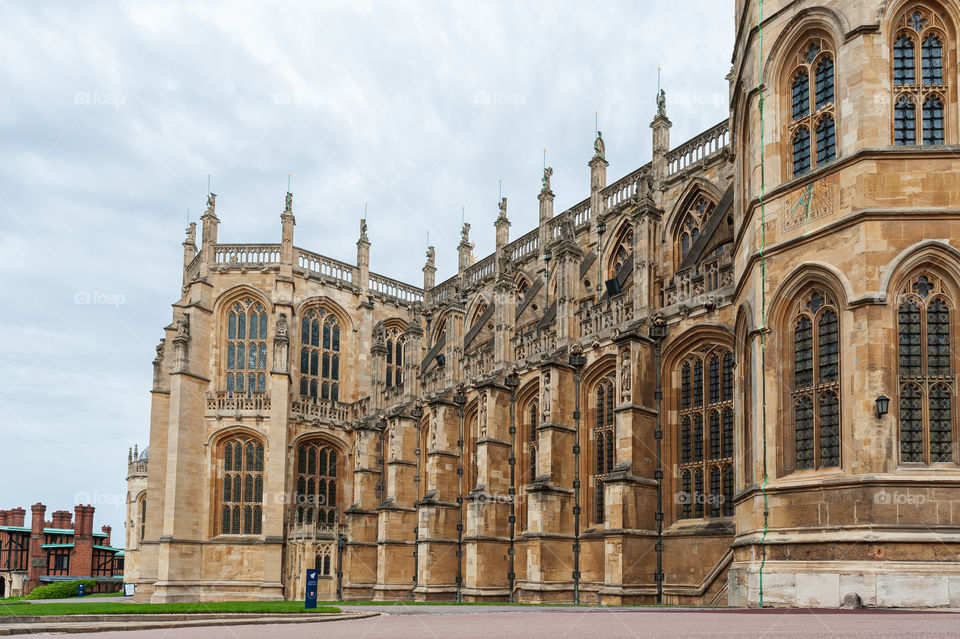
(670, 391)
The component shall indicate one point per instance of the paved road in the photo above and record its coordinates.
(560, 623)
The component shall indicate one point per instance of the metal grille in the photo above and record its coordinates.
(803, 418)
(932, 60)
(801, 152)
(905, 122)
(826, 140)
(824, 79)
(940, 424)
(938, 338)
(911, 424)
(933, 121)
(715, 441)
(801, 95)
(908, 321)
(829, 340)
(803, 353)
(829, 430)
(904, 64)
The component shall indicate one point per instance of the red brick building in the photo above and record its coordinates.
(65, 547)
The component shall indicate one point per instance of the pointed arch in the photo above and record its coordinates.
(688, 195)
(618, 250)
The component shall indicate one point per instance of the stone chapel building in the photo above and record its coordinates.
(728, 377)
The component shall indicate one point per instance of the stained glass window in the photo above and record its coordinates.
(932, 60)
(317, 482)
(826, 140)
(824, 83)
(905, 122)
(801, 95)
(904, 64)
(320, 356)
(603, 442)
(801, 152)
(241, 481)
(246, 348)
(933, 121)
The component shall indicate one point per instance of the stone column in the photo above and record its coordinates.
(360, 555)
(287, 222)
(37, 565)
(630, 490)
(186, 501)
(397, 515)
(363, 258)
(189, 249)
(437, 511)
(210, 223)
(551, 497)
(487, 532)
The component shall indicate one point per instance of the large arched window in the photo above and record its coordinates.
(706, 433)
(246, 347)
(533, 415)
(691, 224)
(919, 82)
(924, 369)
(603, 445)
(320, 356)
(812, 126)
(816, 383)
(394, 357)
(317, 485)
(241, 487)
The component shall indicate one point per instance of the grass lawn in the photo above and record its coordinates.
(115, 608)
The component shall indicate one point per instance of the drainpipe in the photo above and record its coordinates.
(577, 360)
(512, 381)
(658, 333)
(460, 400)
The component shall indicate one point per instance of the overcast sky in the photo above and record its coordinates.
(113, 114)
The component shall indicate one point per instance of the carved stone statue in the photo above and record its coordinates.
(431, 255)
(567, 229)
(379, 335)
(465, 234)
(662, 103)
(547, 172)
(659, 319)
(599, 146)
(625, 373)
(282, 325)
(159, 357)
(183, 327)
(545, 397)
(191, 233)
(482, 401)
(288, 204)
(211, 203)
(503, 208)
(363, 229)
(506, 264)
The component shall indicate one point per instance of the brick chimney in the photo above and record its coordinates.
(62, 519)
(81, 561)
(4, 517)
(106, 529)
(17, 516)
(36, 562)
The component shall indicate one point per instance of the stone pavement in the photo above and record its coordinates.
(494, 622)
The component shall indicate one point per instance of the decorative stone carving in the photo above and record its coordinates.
(545, 397)
(547, 172)
(482, 410)
(626, 372)
(281, 344)
(182, 341)
(599, 147)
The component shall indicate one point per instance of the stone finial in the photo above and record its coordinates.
(662, 103)
(129, 455)
(191, 232)
(465, 235)
(363, 230)
(288, 203)
(431, 256)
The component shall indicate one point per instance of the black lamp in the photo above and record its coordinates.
(883, 404)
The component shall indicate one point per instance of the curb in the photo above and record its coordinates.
(105, 623)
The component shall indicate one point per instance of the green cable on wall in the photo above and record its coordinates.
(763, 302)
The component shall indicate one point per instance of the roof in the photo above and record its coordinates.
(56, 545)
(107, 548)
(15, 528)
